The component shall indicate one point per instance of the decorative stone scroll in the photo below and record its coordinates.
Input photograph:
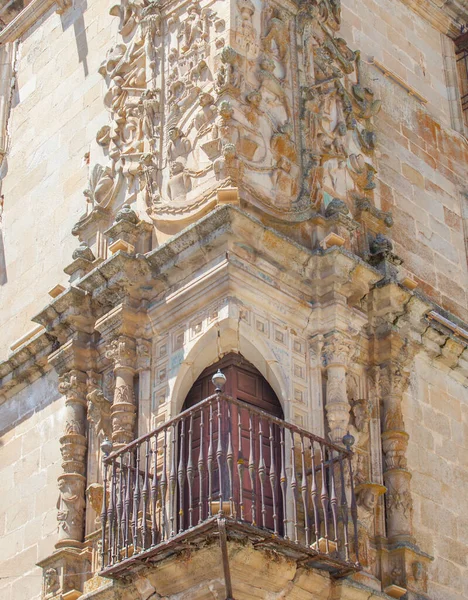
(264, 97)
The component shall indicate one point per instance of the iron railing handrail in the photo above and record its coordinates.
(258, 411)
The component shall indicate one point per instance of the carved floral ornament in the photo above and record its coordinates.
(278, 109)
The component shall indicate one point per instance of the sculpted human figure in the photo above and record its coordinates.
(179, 146)
(208, 111)
(192, 28)
(179, 183)
(225, 129)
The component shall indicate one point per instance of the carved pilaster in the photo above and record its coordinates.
(122, 351)
(393, 381)
(72, 481)
(336, 352)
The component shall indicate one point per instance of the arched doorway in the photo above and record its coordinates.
(255, 494)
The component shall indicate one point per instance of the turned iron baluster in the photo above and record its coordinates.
(181, 475)
(314, 496)
(333, 499)
(111, 515)
(252, 469)
(201, 465)
(284, 483)
(127, 505)
(165, 533)
(136, 499)
(230, 463)
(219, 456)
(354, 514)
(272, 475)
(154, 494)
(240, 465)
(344, 509)
(104, 515)
(190, 473)
(294, 486)
(304, 493)
(119, 508)
(261, 472)
(144, 498)
(173, 479)
(210, 462)
(324, 498)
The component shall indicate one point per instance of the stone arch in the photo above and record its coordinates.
(224, 336)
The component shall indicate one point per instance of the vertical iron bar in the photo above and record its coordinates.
(201, 465)
(324, 498)
(190, 474)
(354, 515)
(261, 472)
(294, 486)
(219, 455)
(104, 515)
(304, 493)
(314, 496)
(136, 499)
(333, 498)
(273, 479)
(154, 493)
(110, 515)
(252, 469)
(173, 479)
(210, 462)
(181, 475)
(144, 498)
(240, 465)
(284, 483)
(127, 504)
(230, 461)
(165, 533)
(119, 507)
(344, 509)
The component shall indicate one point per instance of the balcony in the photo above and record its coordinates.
(224, 470)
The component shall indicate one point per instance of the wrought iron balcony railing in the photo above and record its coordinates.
(224, 459)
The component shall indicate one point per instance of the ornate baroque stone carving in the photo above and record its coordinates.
(299, 125)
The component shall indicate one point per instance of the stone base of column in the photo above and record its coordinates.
(64, 574)
(405, 566)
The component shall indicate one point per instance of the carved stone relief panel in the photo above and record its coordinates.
(259, 95)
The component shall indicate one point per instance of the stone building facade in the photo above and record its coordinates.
(277, 189)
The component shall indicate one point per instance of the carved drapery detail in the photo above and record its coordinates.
(73, 446)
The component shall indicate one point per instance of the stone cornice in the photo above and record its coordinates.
(447, 16)
(27, 17)
(245, 239)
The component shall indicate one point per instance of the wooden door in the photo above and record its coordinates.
(243, 382)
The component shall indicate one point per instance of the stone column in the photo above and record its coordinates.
(143, 365)
(336, 351)
(122, 351)
(394, 444)
(72, 481)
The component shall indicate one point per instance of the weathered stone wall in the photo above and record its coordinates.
(57, 109)
(436, 418)
(423, 163)
(30, 462)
